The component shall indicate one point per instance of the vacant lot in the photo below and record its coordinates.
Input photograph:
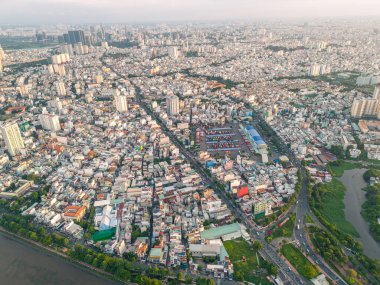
(238, 248)
(336, 169)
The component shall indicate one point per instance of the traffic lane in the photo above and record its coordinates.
(317, 259)
(195, 164)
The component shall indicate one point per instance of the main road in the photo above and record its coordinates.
(302, 209)
(268, 251)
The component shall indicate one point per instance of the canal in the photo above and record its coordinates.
(353, 201)
(24, 264)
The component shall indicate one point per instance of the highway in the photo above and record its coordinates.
(302, 209)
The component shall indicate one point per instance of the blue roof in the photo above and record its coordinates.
(255, 135)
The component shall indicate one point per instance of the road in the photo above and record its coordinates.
(258, 233)
(302, 209)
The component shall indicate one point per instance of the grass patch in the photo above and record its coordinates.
(238, 248)
(285, 231)
(337, 168)
(23, 43)
(311, 96)
(309, 220)
(332, 206)
(299, 261)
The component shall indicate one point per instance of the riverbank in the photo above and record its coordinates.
(353, 201)
(331, 206)
(38, 264)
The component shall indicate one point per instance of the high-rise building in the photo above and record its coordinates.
(376, 93)
(12, 137)
(365, 107)
(61, 90)
(76, 37)
(173, 52)
(68, 48)
(314, 70)
(317, 69)
(41, 36)
(2, 53)
(121, 103)
(49, 122)
(60, 58)
(56, 104)
(172, 103)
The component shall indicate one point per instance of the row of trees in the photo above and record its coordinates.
(121, 268)
(332, 239)
(371, 207)
(327, 245)
(372, 172)
(23, 226)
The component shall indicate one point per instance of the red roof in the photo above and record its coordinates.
(243, 191)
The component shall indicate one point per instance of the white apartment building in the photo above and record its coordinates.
(120, 102)
(365, 107)
(376, 93)
(61, 90)
(172, 103)
(49, 122)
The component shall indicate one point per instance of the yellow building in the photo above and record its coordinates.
(12, 137)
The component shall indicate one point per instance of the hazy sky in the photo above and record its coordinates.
(96, 11)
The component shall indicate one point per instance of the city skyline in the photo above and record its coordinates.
(117, 11)
(190, 142)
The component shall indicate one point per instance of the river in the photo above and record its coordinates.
(353, 201)
(24, 264)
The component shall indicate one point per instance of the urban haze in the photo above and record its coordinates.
(190, 142)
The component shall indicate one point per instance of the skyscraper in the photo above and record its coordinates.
(49, 122)
(121, 103)
(61, 90)
(76, 37)
(314, 70)
(2, 53)
(12, 137)
(365, 107)
(376, 93)
(173, 52)
(172, 103)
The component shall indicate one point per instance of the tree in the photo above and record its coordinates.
(188, 279)
(258, 245)
(33, 236)
(338, 151)
(238, 275)
(180, 276)
(130, 256)
(272, 269)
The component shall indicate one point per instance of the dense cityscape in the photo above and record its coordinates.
(231, 153)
